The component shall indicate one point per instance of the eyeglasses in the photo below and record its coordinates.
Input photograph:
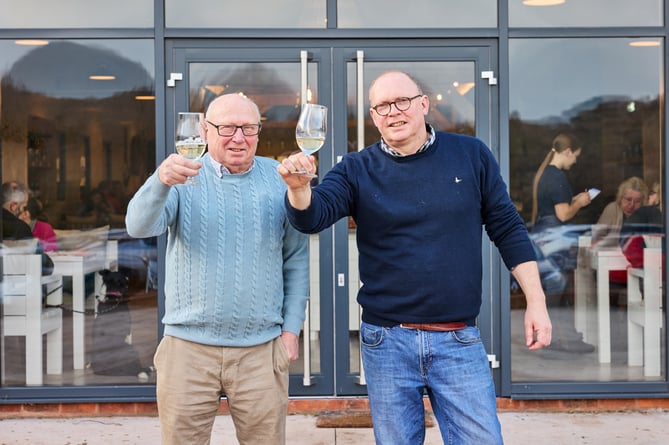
(401, 103)
(230, 130)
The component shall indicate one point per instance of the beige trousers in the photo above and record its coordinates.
(191, 377)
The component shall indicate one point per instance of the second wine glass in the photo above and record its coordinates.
(311, 130)
(190, 142)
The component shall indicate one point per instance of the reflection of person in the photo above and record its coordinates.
(644, 221)
(42, 230)
(553, 205)
(419, 198)
(236, 282)
(631, 195)
(14, 201)
(654, 195)
(95, 207)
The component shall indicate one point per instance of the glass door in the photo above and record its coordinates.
(279, 77)
(459, 83)
(279, 80)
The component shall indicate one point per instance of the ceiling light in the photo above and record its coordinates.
(543, 2)
(101, 77)
(31, 42)
(642, 43)
(463, 88)
(145, 97)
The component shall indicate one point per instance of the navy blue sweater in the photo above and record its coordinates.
(419, 222)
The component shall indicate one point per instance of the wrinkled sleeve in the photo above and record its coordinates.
(152, 209)
(295, 278)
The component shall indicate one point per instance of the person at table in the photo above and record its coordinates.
(41, 230)
(419, 198)
(655, 195)
(647, 220)
(553, 205)
(14, 201)
(632, 193)
(236, 282)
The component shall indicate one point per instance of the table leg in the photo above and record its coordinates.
(603, 312)
(78, 320)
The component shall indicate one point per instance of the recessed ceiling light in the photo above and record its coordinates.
(31, 42)
(101, 77)
(645, 43)
(543, 2)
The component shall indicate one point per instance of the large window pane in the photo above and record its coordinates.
(554, 13)
(275, 87)
(78, 128)
(249, 14)
(450, 87)
(18, 14)
(607, 93)
(420, 14)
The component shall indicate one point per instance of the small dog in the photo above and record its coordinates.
(113, 352)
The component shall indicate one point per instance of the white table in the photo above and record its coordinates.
(602, 261)
(77, 264)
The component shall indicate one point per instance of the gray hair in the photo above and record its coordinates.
(14, 191)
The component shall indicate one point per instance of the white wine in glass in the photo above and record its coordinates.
(311, 130)
(190, 142)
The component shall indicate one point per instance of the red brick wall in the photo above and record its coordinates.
(315, 406)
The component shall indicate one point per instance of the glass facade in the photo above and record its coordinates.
(615, 110)
(76, 14)
(78, 129)
(252, 14)
(589, 13)
(86, 115)
(421, 14)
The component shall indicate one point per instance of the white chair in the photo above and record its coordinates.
(644, 311)
(25, 315)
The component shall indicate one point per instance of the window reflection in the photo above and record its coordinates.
(78, 128)
(254, 14)
(614, 110)
(545, 13)
(421, 14)
(76, 14)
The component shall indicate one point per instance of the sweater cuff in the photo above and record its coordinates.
(293, 322)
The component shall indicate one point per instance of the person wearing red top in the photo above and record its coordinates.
(42, 230)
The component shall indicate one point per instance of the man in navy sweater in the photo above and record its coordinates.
(419, 199)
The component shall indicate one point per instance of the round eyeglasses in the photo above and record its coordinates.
(230, 130)
(401, 103)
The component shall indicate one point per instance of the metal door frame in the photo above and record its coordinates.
(332, 57)
(483, 54)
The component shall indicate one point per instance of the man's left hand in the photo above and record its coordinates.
(290, 342)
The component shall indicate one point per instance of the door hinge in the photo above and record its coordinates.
(341, 280)
(171, 82)
(494, 363)
(490, 75)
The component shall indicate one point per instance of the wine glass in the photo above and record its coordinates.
(310, 130)
(190, 142)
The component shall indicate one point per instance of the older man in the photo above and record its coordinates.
(236, 282)
(419, 199)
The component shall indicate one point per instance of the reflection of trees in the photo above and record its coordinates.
(268, 85)
(47, 97)
(617, 143)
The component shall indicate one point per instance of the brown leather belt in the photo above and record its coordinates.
(448, 326)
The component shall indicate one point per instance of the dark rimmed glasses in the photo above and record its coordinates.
(230, 130)
(401, 103)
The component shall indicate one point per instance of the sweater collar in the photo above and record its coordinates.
(430, 140)
(222, 170)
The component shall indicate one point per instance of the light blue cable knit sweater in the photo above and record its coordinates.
(236, 272)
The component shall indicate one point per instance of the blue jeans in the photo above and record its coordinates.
(452, 367)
